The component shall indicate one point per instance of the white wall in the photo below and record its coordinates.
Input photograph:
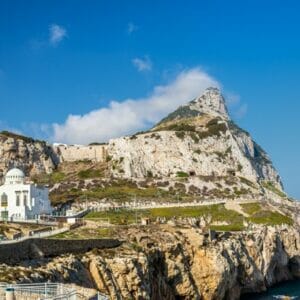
(37, 200)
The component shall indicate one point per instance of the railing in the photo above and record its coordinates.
(36, 236)
(140, 206)
(44, 291)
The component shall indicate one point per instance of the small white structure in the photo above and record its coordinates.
(20, 200)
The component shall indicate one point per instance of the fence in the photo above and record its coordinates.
(43, 291)
(37, 235)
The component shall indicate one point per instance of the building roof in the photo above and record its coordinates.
(14, 176)
(15, 172)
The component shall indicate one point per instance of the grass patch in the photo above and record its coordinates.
(259, 215)
(218, 213)
(251, 208)
(54, 177)
(231, 227)
(270, 218)
(118, 191)
(82, 233)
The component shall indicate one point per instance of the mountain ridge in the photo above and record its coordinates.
(198, 141)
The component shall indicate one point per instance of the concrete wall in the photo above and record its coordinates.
(69, 153)
(38, 248)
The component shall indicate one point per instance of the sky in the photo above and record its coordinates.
(85, 71)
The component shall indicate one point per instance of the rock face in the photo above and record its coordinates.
(161, 263)
(198, 139)
(32, 156)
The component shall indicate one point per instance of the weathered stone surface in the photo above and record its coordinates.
(32, 156)
(176, 264)
(208, 144)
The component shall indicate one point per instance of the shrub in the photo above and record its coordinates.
(133, 137)
(194, 137)
(149, 174)
(182, 174)
(90, 173)
(270, 186)
(180, 134)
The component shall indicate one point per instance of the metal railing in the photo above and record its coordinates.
(36, 236)
(44, 291)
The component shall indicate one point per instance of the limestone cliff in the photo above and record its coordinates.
(176, 263)
(198, 139)
(32, 156)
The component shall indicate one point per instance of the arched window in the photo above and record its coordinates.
(4, 200)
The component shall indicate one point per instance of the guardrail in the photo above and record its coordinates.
(36, 236)
(43, 291)
(162, 205)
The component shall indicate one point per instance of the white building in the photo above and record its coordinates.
(22, 200)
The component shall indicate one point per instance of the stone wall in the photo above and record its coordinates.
(70, 153)
(38, 248)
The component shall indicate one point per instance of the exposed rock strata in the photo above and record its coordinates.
(198, 139)
(173, 263)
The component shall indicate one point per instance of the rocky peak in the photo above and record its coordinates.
(210, 102)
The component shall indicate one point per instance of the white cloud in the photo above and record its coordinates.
(241, 111)
(56, 34)
(131, 27)
(237, 108)
(130, 115)
(142, 64)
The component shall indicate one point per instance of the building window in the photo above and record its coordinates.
(25, 199)
(17, 199)
(4, 200)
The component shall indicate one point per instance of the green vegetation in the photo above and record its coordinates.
(181, 112)
(149, 174)
(90, 173)
(82, 233)
(259, 215)
(218, 213)
(251, 208)
(270, 218)
(57, 177)
(247, 182)
(120, 190)
(180, 134)
(54, 177)
(231, 227)
(182, 174)
(180, 127)
(270, 186)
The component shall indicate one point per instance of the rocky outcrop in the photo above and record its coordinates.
(32, 156)
(172, 263)
(198, 139)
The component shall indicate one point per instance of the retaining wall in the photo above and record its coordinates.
(38, 248)
(70, 153)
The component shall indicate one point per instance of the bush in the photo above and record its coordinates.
(149, 174)
(182, 174)
(180, 134)
(270, 186)
(90, 173)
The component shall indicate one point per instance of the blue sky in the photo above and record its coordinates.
(62, 62)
